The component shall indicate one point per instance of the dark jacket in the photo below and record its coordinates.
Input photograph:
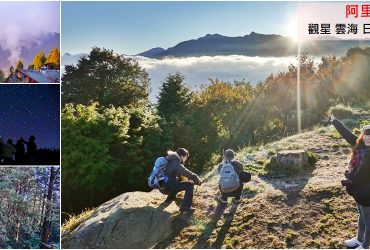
(360, 190)
(175, 168)
(238, 167)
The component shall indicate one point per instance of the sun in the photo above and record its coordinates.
(291, 28)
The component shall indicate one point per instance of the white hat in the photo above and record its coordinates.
(365, 128)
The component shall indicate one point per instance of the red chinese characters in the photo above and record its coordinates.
(352, 10)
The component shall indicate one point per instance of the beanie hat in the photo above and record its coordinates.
(367, 127)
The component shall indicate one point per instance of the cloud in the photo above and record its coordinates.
(198, 70)
(23, 23)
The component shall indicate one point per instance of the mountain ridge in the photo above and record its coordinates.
(254, 44)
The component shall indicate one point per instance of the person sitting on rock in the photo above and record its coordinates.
(174, 169)
(357, 181)
(230, 183)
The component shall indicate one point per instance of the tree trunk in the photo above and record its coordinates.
(44, 229)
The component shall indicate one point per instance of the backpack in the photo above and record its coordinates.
(229, 179)
(157, 178)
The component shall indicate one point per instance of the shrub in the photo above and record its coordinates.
(341, 111)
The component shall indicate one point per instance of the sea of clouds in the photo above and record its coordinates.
(198, 70)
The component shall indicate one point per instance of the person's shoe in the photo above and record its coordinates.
(187, 210)
(360, 247)
(353, 243)
(238, 200)
(222, 200)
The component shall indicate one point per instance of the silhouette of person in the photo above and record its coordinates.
(20, 155)
(31, 149)
(8, 153)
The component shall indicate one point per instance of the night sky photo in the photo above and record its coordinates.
(29, 109)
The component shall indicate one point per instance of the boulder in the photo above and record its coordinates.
(290, 158)
(131, 220)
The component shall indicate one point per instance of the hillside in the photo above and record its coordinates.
(309, 209)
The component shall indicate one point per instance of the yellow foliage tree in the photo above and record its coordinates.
(39, 60)
(54, 57)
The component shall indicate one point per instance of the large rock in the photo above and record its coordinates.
(131, 220)
(290, 158)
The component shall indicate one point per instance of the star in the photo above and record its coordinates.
(30, 109)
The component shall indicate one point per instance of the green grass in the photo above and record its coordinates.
(290, 235)
(312, 158)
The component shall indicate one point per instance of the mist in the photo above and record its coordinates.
(198, 70)
(23, 24)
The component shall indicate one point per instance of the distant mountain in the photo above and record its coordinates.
(27, 53)
(69, 59)
(152, 52)
(253, 44)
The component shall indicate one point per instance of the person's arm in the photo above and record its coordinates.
(344, 131)
(219, 168)
(238, 166)
(187, 173)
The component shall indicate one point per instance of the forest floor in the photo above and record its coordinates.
(305, 210)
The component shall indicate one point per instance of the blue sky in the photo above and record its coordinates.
(133, 27)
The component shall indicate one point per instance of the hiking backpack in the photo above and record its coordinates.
(157, 177)
(229, 179)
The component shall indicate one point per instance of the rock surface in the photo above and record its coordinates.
(131, 220)
(290, 158)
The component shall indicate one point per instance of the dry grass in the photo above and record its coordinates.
(74, 221)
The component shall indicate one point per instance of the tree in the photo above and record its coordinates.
(54, 57)
(2, 76)
(106, 78)
(39, 60)
(11, 70)
(102, 147)
(174, 97)
(19, 64)
(45, 229)
(23, 207)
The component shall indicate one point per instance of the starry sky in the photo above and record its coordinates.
(30, 109)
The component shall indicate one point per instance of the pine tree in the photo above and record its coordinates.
(2, 76)
(174, 97)
(24, 207)
(11, 70)
(19, 64)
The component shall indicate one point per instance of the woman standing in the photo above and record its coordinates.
(357, 181)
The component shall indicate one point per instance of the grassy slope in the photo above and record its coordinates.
(306, 210)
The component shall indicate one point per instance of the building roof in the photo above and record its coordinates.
(50, 76)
